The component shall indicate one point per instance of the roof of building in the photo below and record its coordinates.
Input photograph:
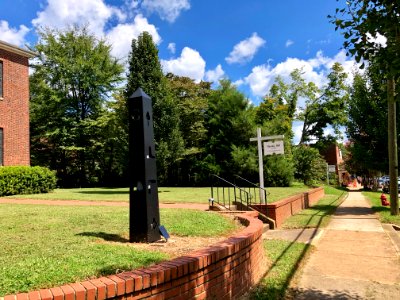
(16, 50)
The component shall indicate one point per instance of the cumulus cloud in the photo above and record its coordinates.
(189, 64)
(172, 47)
(120, 37)
(12, 35)
(289, 43)
(315, 69)
(168, 10)
(93, 13)
(214, 75)
(98, 16)
(245, 50)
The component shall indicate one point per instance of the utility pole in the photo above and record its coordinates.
(392, 146)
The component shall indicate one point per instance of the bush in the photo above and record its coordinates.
(26, 180)
(278, 170)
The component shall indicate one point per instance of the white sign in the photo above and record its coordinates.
(273, 147)
(332, 168)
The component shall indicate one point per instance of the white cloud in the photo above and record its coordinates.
(245, 50)
(168, 10)
(379, 40)
(93, 13)
(238, 82)
(120, 37)
(215, 75)
(289, 43)
(12, 35)
(314, 70)
(172, 47)
(189, 64)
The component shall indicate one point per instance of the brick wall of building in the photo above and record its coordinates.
(14, 109)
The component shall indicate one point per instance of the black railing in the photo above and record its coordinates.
(229, 195)
(254, 190)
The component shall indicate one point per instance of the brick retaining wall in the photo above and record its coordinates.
(225, 270)
(283, 209)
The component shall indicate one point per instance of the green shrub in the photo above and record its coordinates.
(26, 180)
(278, 170)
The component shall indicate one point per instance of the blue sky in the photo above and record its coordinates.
(250, 42)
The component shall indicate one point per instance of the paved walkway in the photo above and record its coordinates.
(198, 206)
(354, 258)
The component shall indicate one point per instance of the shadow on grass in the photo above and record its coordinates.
(109, 237)
(266, 290)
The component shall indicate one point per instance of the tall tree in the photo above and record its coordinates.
(321, 107)
(367, 125)
(145, 72)
(74, 75)
(325, 106)
(229, 123)
(363, 22)
(191, 99)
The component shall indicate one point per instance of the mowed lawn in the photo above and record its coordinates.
(44, 246)
(165, 194)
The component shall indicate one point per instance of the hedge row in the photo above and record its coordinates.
(26, 180)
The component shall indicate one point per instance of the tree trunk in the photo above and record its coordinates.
(392, 146)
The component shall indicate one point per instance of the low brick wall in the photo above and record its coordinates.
(282, 209)
(225, 270)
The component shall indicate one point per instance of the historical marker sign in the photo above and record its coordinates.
(273, 147)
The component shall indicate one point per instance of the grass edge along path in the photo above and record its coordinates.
(318, 215)
(382, 211)
(284, 259)
(165, 194)
(46, 246)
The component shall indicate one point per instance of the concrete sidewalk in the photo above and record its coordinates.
(354, 258)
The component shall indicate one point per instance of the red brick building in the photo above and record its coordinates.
(14, 105)
(333, 156)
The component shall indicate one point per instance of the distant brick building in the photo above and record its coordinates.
(14, 105)
(333, 156)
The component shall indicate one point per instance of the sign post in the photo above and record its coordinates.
(259, 139)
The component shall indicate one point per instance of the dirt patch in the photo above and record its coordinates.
(176, 245)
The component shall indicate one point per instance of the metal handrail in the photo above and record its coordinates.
(238, 194)
(266, 193)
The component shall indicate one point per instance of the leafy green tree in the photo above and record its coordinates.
(73, 77)
(324, 106)
(191, 100)
(275, 115)
(367, 125)
(309, 165)
(362, 23)
(145, 72)
(229, 123)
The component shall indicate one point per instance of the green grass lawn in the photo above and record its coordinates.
(166, 194)
(284, 258)
(319, 214)
(383, 211)
(44, 246)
